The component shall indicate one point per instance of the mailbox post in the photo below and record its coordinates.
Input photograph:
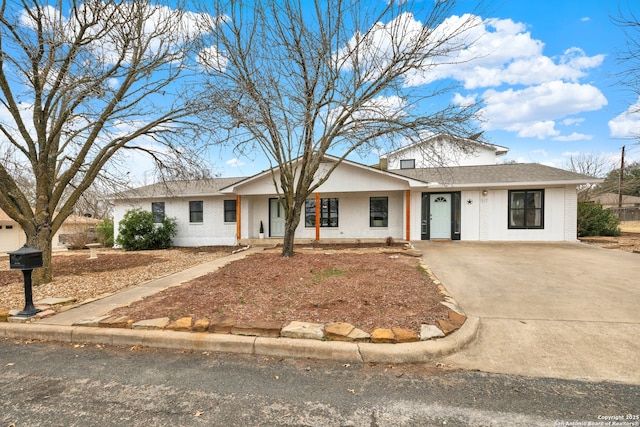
(26, 259)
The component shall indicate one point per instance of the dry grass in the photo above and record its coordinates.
(630, 226)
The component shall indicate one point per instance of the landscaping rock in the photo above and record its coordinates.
(338, 331)
(358, 335)
(201, 325)
(304, 330)
(404, 335)
(182, 324)
(222, 325)
(116, 322)
(457, 318)
(428, 332)
(451, 304)
(381, 335)
(447, 326)
(152, 324)
(45, 313)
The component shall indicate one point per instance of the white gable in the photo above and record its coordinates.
(347, 177)
(441, 150)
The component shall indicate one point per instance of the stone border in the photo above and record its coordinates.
(416, 352)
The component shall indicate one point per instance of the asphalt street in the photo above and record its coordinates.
(45, 384)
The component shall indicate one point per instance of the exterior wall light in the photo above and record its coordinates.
(485, 192)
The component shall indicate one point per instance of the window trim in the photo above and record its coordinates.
(156, 212)
(326, 214)
(227, 210)
(193, 212)
(385, 212)
(525, 210)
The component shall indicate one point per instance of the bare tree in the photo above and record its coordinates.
(299, 80)
(629, 59)
(596, 165)
(80, 85)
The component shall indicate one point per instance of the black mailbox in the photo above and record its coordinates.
(25, 258)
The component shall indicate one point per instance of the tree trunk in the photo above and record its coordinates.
(42, 241)
(291, 223)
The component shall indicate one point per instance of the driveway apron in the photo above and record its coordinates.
(562, 310)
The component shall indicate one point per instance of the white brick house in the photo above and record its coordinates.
(473, 198)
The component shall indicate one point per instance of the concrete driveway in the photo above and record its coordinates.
(559, 310)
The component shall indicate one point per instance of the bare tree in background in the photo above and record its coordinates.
(298, 80)
(80, 85)
(629, 58)
(596, 165)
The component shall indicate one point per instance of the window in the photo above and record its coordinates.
(157, 208)
(229, 211)
(378, 212)
(328, 212)
(196, 211)
(9, 227)
(408, 164)
(526, 209)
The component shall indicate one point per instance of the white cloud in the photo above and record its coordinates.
(627, 124)
(571, 153)
(235, 162)
(585, 19)
(572, 121)
(575, 136)
(212, 59)
(540, 130)
(531, 111)
(503, 52)
(465, 100)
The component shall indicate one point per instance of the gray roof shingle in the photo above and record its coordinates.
(496, 174)
(187, 188)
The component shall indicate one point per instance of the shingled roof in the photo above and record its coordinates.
(497, 175)
(187, 188)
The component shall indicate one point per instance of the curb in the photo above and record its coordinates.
(417, 352)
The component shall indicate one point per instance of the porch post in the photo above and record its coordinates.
(238, 218)
(408, 215)
(317, 216)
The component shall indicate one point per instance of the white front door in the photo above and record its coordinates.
(276, 218)
(440, 216)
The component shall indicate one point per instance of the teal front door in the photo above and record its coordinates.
(440, 216)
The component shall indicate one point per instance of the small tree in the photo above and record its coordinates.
(105, 233)
(137, 231)
(594, 220)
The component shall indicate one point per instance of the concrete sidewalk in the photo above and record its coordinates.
(60, 327)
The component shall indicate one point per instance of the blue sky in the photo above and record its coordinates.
(551, 90)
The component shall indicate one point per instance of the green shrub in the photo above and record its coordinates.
(137, 231)
(105, 233)
(594, 220)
